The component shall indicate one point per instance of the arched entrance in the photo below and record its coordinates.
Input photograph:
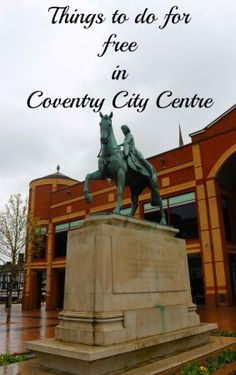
(226, 177)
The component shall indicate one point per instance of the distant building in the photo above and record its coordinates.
(198, 186)
(5, 270)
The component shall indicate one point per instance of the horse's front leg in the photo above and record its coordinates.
(97, 175)
(120, 188)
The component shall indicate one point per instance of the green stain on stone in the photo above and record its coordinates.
(162, 313)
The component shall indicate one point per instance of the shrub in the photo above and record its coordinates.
(6, 359)
(210, 364)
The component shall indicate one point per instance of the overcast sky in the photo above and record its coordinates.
(198, 57)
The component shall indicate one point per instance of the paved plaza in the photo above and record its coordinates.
(25, 326)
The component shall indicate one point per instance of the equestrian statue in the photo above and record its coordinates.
(126, 167)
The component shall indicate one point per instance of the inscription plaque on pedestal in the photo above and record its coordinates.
(144, 267)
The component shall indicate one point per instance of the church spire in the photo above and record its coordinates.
(181, 142)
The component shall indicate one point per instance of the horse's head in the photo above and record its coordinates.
(105, 127)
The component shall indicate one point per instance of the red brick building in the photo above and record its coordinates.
(198, 187)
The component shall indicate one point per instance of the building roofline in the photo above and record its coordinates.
(170, 150)
(214, 121)
(55, 176)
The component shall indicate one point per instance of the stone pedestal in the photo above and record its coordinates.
(127, 298)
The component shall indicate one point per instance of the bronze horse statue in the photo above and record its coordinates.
(113, 165)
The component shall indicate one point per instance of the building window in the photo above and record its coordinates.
(61, 231)
(126, 211)
(180, 212)
(153, 213)
(39, 243)
(60, 244)
(182, 215)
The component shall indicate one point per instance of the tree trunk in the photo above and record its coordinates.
(9, 296)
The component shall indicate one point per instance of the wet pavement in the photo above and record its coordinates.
(33, 325)
(25, 326)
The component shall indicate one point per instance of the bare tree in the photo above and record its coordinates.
(13, 231)
(35, 239)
